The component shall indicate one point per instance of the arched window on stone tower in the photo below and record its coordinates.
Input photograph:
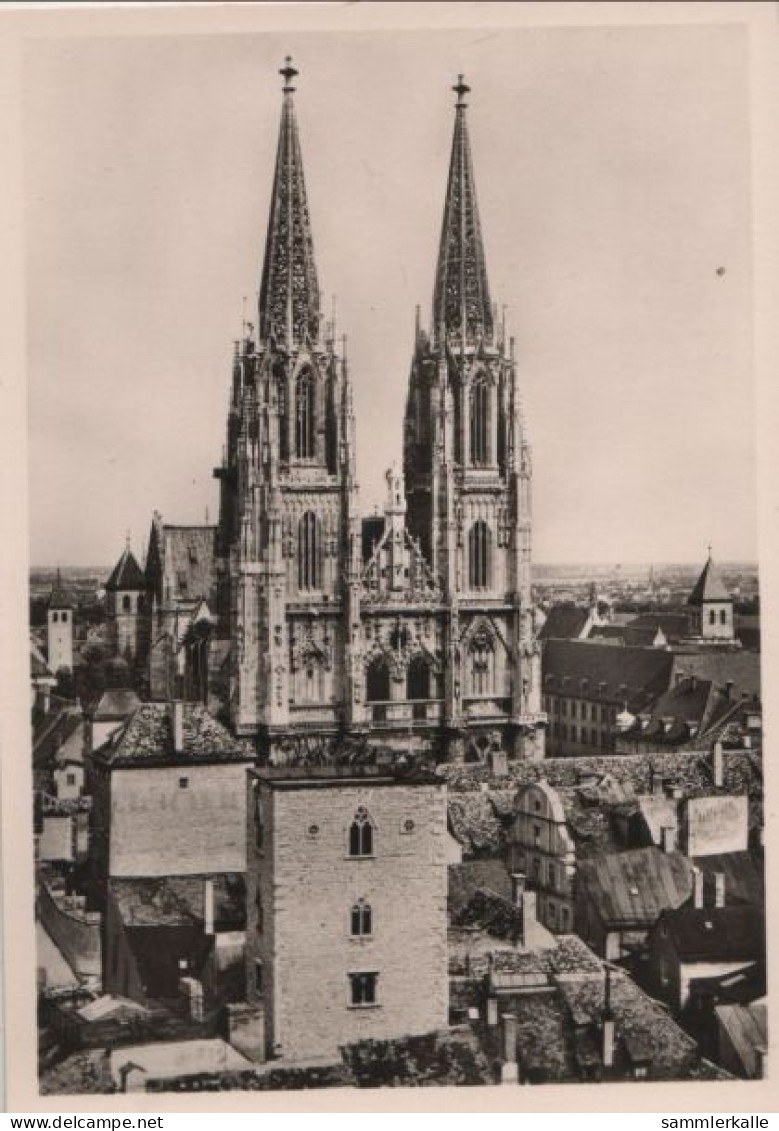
(305, 419)
(361, 834)
(418, 679)
(308, 552)
(377, 681)
(480, 422)
(281, 400)
(481, 665)
(479, 555)
(127, 603)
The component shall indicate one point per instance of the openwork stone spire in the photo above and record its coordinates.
(289, 294)
(461, 303)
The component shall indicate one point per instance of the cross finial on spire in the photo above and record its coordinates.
(461, 89)
(127, 539)
(289, 72)
(709, 549)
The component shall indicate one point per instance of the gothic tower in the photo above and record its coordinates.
(59, 628)
(467, 470)
(288, 535)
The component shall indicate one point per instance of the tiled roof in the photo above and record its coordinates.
(634, 888)
(493, 913)
(564, 622)
(601, 672)
(39, 669)
(116, 703)
(742, 669)
(147, 737)
(60, 597)
(674, 626)
(744, 876)
(709, 586)
(475, 824)
(126, 574)
(747, 1029)
(717, 934)
(179, 901)
(672, 1053)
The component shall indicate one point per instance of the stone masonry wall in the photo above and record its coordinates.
(306, 912)
(160, 827)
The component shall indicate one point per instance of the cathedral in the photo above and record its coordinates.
(310, 627)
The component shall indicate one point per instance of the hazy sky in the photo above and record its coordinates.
(612, 168)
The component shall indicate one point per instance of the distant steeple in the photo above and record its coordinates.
(462, 298)
(289, 307)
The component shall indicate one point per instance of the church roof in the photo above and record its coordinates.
(289, 293)
(709, 586)
(461, 299)
(126, 574)
(60, 597)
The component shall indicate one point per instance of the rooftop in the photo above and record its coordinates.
(179, 901)
(716, 934)
(324, 777)
(633, 888)
(147, 738)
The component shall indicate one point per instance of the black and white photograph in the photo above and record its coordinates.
(394, 609)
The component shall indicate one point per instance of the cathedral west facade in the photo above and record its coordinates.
(409, 631)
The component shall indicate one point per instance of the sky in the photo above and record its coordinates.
(612, 169)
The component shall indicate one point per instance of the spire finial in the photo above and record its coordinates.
(461, 89)
(127, 539)
(288, 72)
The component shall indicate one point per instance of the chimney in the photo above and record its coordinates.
(45, 698)
(729, 689)
(492, 1011)
(608, 1024)
(208, 907)
(697, 887)
(717, 766)
(656, 779)
(761, 1062)
(719, 889)
(668, 834)
(509, 1072)
(518, 888)
(177, 712)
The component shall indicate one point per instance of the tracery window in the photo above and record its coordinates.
(418, 679)
(308, 552)
(304, 415)
(377, 683)
(479, 555)
(480, 423)
(482, 665)
(361, 834)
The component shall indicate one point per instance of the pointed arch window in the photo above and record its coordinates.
(304, 415)
(479, 555)
(361, 919)
(480, 422)
(377, 688)
(309, 571)
(418, 679)
(361, 834)
(482, 665)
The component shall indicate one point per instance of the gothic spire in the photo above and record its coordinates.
(289, 293)
(462, 298)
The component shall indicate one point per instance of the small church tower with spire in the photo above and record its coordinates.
(59, 628)
(711, 606)
(125, 590)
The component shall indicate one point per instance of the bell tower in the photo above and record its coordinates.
(468, 474)
(288, 526)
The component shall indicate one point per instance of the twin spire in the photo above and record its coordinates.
(289, 307)
(289, 292)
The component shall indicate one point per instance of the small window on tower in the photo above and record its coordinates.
(183, 783)
(65, 618)
(363, 989)
(54, 617)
